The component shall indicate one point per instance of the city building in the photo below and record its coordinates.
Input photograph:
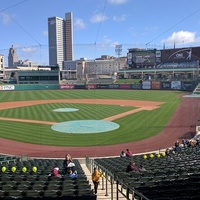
(1, 67)
(83, 69)
(60, 35)
(12, 57)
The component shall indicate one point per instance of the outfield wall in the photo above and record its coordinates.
(145, 85)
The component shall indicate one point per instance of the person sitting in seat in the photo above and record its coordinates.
(123, 154)
(72, 174)
(129, 153)
(141, 168)
(167, 152)
(55, 173)
(68, 164)
(131, 167)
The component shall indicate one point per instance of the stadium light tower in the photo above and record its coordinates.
(118, 51)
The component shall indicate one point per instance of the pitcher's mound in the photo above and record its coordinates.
(65, 110)
(85, 126)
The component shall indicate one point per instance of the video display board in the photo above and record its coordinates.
(141, 58)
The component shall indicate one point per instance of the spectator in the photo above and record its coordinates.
(96, 175)
(123, 154)
(131, 167)
(184, 142)
(177, 144)
(72, 174)
(191, 143)
(167, 152)
(55, 173)
(68, 164)
(129, 153)
(197, 142)
(141, 168)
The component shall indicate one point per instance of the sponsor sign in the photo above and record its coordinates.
(125, 86)
(129, 56)
(79, 87)
(102, 86)
(155, 85)
(176, 85)
(146, 85)
(136, 86)
(66, 87)
(180, 54)
(91, 86)
(158, 54)
(7, 87)
(186, 85)
(114, 86)
(166, 85)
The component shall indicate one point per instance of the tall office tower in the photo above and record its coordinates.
(12, 57)
(60, 33)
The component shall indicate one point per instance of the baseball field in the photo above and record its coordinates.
(27, 117)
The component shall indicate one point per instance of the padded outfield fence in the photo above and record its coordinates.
(145, 85)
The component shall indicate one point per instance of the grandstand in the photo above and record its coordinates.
(197, 89)
(167, 177)
(38, 184)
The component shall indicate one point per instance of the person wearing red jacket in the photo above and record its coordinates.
(129, 153)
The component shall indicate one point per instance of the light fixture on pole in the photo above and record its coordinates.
(118, 51)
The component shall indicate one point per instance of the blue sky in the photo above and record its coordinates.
(99, 25)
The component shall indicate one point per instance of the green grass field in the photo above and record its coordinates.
(134, 127)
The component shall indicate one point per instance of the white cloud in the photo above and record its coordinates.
(5, 18)
(118, 1)
(79, 23)
(119, 18)
(98, 18)
(29, 49)
(181, 37)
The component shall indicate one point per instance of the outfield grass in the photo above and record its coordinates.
(134, 127)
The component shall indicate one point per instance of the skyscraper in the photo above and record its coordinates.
(60, 33)
(12, 57)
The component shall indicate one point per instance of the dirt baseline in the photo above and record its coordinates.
(179, 127)
(141, 105)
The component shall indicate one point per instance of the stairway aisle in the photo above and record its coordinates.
(101, 194)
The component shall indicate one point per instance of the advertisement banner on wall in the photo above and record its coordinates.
(67, 87)
(176, 85)
(7, 87)
(166, 85)
(146, 85)
(136, 86)
(155, 85)
(186, 85)
(102, 86)
(125, 86)
(91, 86)
(79, 87)
(114, 86)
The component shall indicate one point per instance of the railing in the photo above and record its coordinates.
(109, 178)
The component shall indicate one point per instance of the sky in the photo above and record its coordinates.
(98, 26)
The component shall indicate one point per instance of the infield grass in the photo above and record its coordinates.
(134, 127)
